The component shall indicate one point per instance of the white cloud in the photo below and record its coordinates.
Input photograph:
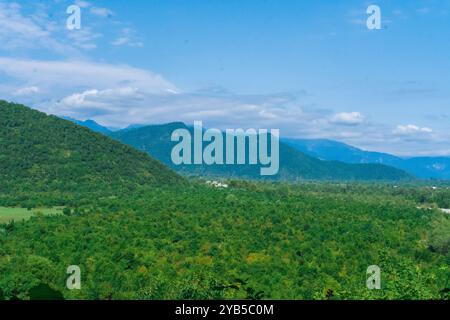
(127, 37)
(411, 129)
(84, 38)
(130, 105)
(82, 4)
(101, 12)
(36, 29)
(26, 91)
(40, 31)
(121, 41)
(66, 76)
(18, 31)
(94, 102)
(348, 118)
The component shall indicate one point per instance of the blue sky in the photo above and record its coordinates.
(309, 68)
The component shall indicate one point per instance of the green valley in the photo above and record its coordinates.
(138, 230)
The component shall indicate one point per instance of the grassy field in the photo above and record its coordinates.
(19, 214)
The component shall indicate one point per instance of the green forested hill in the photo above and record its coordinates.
(44, 153)
(294, 165)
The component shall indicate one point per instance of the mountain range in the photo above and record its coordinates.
(329, 150)
(294, 165)
(300, 158)
(421, 167)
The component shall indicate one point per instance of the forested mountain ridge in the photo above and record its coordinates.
(41, 153)
(329, 150)
(294, 165)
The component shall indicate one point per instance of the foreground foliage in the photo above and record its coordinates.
(251, 241)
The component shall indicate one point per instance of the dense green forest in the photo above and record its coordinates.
(251, 241)
(44, 153)
(140, 231)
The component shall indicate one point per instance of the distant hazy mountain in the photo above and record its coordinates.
(338, 151)
(91, 124)
(94, 126)
(427, 167)
(131, 127)
(422, 167)
(294, 165)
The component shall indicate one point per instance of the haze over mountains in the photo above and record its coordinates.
(421, 167)
(294, 165)
(323, 149)
(299, 159)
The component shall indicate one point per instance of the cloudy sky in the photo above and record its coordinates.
(309, 68)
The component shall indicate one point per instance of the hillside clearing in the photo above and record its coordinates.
(20, 214)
